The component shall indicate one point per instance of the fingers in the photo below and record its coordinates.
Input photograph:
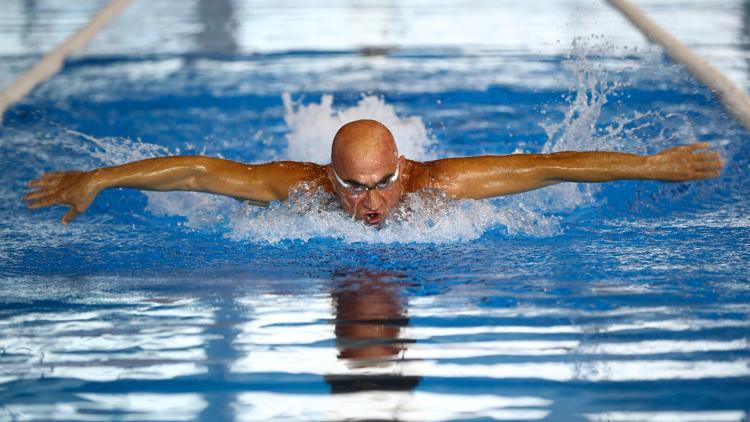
(706, 174)
(69, 216)
(692, 162)
(45, 202)
(713, 165)
(47, 179)
(57, 188)
(705, 164)
(50, 199)
(54, 200)
(707, 156)
(708, 159)
(688, 149)
(697, 146)
(37, 194)
(49, 185)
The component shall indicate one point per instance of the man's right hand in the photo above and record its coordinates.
(75, 189)
(254, 182)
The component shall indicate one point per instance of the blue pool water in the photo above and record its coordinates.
(624, 301)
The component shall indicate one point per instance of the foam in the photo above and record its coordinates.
(312, 127)
(425, 217)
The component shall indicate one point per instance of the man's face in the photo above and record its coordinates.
(368, 189)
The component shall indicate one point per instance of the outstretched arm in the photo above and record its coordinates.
(259, 183)
(489, 176)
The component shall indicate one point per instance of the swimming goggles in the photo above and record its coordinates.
(359, 189)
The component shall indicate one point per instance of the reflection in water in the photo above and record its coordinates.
(369, 317)
(219, 26)
(220, 353)
(31, 17)
(164, 350)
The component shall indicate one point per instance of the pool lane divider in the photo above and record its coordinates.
(735, 100)
(53, 61)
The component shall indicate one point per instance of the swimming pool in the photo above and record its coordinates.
(625, 301)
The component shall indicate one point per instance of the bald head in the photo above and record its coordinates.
(364, 170)
(363, 143)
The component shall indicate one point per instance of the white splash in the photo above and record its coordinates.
(201, 210)
(579, 130)
(312, 127)
(113, 151)
(426, 217)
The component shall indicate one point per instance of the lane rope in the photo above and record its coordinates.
(53, 61)
(735, 100)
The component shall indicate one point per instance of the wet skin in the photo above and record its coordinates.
(364, 154)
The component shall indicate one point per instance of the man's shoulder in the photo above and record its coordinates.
(418, 175)
(313, 174)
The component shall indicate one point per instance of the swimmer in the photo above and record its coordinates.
(368, 176)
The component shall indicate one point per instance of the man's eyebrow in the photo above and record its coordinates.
(353, 182)
(383, 180)
(387, 178)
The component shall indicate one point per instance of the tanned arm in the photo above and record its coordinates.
(257, 182)
(490, 176)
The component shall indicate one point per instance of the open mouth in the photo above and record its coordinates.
(372, 218)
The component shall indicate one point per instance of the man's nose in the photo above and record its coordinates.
(373, 199)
